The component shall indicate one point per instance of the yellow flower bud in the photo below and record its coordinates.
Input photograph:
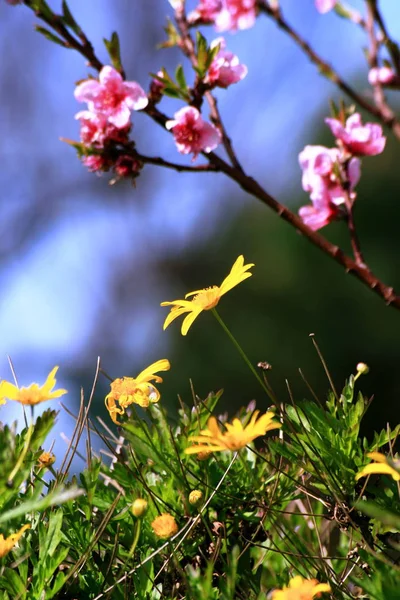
(46, 459)
(139, 507)
(164, 526)
(195, 496)
(362, 368)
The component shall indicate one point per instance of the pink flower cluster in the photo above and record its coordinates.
(226, 15)
(192, 133)
(110, 101)
(331, 174)
(225, 69)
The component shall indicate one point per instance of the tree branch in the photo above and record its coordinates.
(385, 116)
(250, 185)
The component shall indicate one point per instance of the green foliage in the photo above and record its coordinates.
(114, 50)
(268, 512)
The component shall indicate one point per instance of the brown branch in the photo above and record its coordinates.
(386, 117)
(160, 162)
(362, 273)
(379, 94)
(355, 243)
(372, 7)
(252, 187)
(84, 47)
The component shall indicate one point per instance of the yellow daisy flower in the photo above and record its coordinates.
(34, 394)
(207, 298)
(380, 466)
(235, 437)
(7, 544)
(138, 390)
(164, 526)
(301, 589)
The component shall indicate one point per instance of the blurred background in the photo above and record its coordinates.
(84, 265)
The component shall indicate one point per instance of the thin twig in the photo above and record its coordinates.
(385, 116)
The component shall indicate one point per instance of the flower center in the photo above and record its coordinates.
(123, 387)
(31, 395)
(208, 298)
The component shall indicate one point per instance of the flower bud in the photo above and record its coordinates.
(195, 496)
(139, 507)
(362, 368)
(46, 459)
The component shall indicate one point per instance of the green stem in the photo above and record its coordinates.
(135, 540)
(243, 354)
(23, 453)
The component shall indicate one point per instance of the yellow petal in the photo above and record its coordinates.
(199, 448)
(377, 456)
(9, 390)
(148, 373)
(188, 321)
(174, 313)
(296, 582)
(378, 469)
(50, 381)
(321, 587)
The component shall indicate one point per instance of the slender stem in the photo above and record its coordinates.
(23, 453)
(160, 162)
(135, 539)
(383, 114)
(243, 354)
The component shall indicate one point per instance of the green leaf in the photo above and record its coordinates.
(50, 36)
(69, 20)
(381, 514)
(57, 585)
(42, 428)
(114, 50)
(12, 582)
(180, 78)
(40, 6)
(58, 496)
(51, 534)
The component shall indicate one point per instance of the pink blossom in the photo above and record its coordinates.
(324, 6)
(225, 69)
(236, 14)
(191, 133)
(316, 218)
(382, 75)
(227, 15)
(111, 96)
(329, 183)
(207, 10)
(96, 130)
(358, 139)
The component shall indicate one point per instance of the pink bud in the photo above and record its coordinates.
(383, 75)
